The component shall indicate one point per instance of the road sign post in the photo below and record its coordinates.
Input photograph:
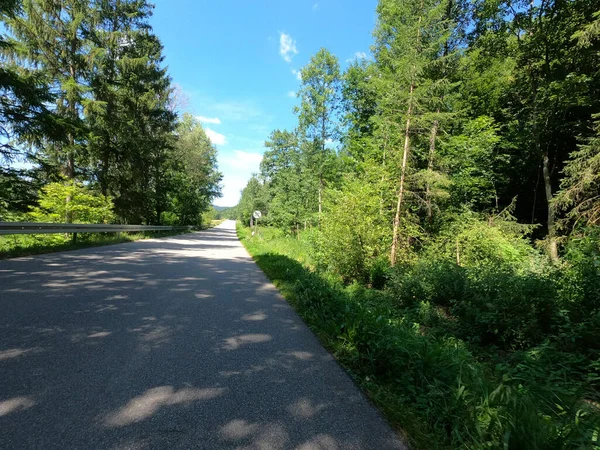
(257, 215)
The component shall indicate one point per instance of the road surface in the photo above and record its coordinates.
(176, 343)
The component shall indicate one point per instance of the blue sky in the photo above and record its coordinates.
(235, 60)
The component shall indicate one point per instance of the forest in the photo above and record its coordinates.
(91, 125)
(434, 217)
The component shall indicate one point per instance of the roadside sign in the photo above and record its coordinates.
(257, 214)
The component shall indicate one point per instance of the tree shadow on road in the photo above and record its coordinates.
(175, 343)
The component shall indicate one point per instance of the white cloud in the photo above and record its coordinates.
(240, 162)
(215, 138)
(228, 110)
(238, 166)
(291, 94)
(236, 111)
(248, 156)
(213, 120)
(287, 47)
(298, 74)
(244, 160)
(232, 186)
(330, 143)
(357, 55)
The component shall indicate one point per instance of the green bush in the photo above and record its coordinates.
(433, 386)
(498, 241)
(487, 306)
(354, 235)
(169, 218)
(505, 309)
(488, 284)
(440, 282)
(580, 290)
(208, 216)
(71, 201)
(379, 273)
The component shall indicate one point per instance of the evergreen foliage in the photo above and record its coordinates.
(84, 95)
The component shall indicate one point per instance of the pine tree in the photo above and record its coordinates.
(25, 121)
(409, 39)
(23, 94)
(51, 36)
(580, 188)
(117, 26)
(580, 192)
(131, 138)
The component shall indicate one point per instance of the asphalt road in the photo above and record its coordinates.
(176, 343)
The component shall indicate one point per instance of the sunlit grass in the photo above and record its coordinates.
(429, 385)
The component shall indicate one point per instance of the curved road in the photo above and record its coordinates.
(176, 343)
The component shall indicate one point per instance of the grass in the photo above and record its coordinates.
(431, 387)
(288, 264)
(12, 246)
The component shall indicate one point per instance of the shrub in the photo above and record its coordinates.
(488, 305)
(169, 218)
(494, 288)
(379, 273)
(506, 309)
(439, 392)
(354, 236)
(208, 216)
(71, 201)
(498, 241)
(580, 289)
(439, 281)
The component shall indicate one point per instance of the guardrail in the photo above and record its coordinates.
(74, 228)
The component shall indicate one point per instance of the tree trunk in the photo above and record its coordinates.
(320, 196)
(396, 231)
(323, 153)
(537, 183)
(382, 193)
(70, 172)
(553, 246)
(70, 168)
(158, 193)
(104, 173)
(432, 138)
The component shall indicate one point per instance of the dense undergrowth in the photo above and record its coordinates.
(489, 354)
